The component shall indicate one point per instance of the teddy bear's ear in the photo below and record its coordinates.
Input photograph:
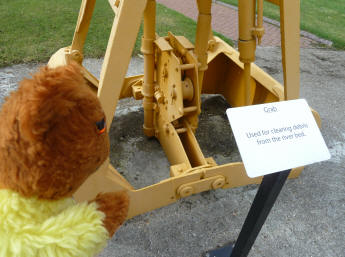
(47, 98)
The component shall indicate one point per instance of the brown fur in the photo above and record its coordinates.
(49, 141)
(115, 207)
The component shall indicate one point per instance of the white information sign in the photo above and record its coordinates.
(277, 136)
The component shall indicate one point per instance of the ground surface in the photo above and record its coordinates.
(308, 218)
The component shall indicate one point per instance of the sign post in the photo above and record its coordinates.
(271, 138)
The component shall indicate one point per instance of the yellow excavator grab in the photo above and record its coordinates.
(176, 73)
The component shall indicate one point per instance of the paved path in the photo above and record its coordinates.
(225, 21)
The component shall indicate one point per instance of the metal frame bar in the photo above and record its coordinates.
(290, 40)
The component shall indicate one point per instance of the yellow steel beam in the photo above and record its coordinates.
(83, 23)
(114, 4)
(202, 36)
(168, 191)
(290, 39)
(118, 54)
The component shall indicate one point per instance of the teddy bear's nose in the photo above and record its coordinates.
(101, 126)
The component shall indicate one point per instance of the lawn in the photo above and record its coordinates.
(324, 18)
(32, 30)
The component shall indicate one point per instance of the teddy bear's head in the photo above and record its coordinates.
(52, 134)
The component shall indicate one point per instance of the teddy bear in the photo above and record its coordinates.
(53, 136)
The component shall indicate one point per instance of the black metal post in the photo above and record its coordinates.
(264, 200)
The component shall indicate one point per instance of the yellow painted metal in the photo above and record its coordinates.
(75, 51)
(168, 191)
(225, 76)
(83, 23)
(202, 36)
(175, 75)
(290, 34)
(119, 50)
(246, 41)
(114, 4)
(149, 61)
(259, 29)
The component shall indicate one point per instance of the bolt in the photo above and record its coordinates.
(218, 183)
(184, 191)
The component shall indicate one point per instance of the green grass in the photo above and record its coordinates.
(32, 30)
(324, 18)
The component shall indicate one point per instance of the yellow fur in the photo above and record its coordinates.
(44, 228)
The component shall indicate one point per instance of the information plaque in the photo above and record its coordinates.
(277, 136)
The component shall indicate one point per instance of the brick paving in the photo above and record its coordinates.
(225, 21)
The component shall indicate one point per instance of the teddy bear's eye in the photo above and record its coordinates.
(101, 126)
